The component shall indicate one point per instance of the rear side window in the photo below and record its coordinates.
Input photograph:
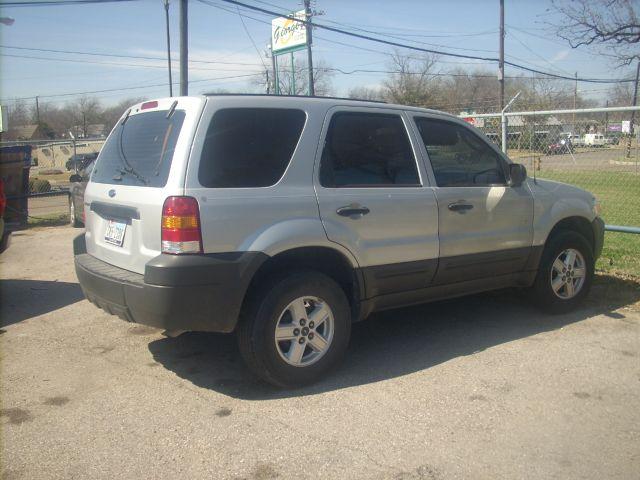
(249, 147)
(139, 150)
(367, 150)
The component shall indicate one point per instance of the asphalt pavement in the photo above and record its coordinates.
(476, 388)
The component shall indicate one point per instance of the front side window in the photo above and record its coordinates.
(249, 147)
(459, 157)
(367, 150)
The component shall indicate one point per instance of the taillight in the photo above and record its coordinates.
(181, 226)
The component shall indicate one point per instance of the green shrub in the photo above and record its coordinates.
(37, 185)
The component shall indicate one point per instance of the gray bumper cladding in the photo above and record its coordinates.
(190, 292)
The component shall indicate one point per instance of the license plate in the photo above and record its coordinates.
(115, 233)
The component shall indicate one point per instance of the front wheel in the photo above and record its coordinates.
(565, 273)
(295, 330)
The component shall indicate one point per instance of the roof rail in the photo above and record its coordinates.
(288, 96)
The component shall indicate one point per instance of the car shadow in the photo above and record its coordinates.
(23, 299)
(387, 345)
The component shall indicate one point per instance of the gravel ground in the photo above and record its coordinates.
(479, 388)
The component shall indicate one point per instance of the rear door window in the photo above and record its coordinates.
(139, 150)
(249, 147)
(367, 150)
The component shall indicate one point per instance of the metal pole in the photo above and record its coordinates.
(633, 113)
(184, 48)
(575, 98)
(166, 13)
(37, 111)
(266, 73)
(503, 122)
(275, 72)
(501, 67)
(293, 76)
(307, 11)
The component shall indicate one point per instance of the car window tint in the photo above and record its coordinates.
(140, 149)
(365, 150)
(249, 147)
(458, 156)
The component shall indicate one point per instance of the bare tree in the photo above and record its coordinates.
(299, 78)
(366, 93)
(413, 82)
(613, 24)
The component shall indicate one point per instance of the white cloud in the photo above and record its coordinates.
(561, 55)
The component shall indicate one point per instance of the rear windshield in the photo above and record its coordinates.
(139, 151)
(249, 147)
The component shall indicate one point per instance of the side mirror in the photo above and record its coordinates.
(517, 174)
(75, 178)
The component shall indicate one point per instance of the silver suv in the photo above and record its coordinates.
(286, 219)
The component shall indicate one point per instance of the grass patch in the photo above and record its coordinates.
(54, 179)
(619, 195)
(50, 220)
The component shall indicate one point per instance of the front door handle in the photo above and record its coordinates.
(353, 209)
(460, 206)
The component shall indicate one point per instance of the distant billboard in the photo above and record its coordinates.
(626, 126)
(615, 127)
(287, 35)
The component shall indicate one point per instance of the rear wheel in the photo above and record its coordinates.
(296, 329)
(565, 273)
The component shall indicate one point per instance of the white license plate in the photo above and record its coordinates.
(115, 233)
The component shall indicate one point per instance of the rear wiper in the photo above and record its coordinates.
(130, 171)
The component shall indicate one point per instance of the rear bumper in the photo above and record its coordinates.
(598, 237)
(191, 292)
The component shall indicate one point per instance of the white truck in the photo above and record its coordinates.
(594, 140)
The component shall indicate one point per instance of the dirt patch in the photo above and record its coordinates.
(57, 401)
(223, 412)
(16, 416)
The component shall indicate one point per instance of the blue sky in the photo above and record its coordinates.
(138, 29)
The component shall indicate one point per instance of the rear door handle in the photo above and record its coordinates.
(460, 206)
(353, 209)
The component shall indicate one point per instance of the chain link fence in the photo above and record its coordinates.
(593, 149)
(590, 149)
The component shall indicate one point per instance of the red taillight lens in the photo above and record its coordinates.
(181, 226)
(147, 105)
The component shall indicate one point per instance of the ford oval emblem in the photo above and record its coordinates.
(112, 193)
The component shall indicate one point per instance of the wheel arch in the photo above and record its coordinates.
(574, 223)
(326, 260)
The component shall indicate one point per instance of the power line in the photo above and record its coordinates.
(70, 94)
(412, 47)
(50, 3)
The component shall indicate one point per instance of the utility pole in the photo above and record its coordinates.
(606, 120)
(166, 14)
(37, 111)
(274, 66)
(575, 99)
(633, 113)
(501, 67)
(184, 48)
(308, 15)
(266, 72)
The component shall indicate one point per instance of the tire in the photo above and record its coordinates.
(271, 307)
(73, 219)
(564, 297)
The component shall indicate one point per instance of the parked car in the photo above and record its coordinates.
(79, 161)
(286, 219)
(5, 235)
(612, 140)
(79, 182)
(560, 146)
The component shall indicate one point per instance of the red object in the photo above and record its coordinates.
(3, 199)
(147, 105)
(181, 226)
